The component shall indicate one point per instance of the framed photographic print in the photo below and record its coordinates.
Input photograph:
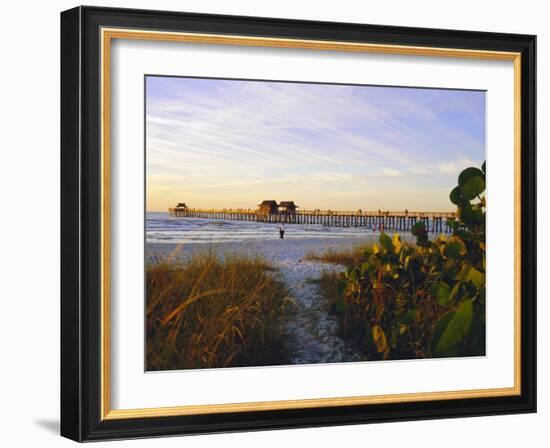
(273, 223)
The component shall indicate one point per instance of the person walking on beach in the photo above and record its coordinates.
(282, 231)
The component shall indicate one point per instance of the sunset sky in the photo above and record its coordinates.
(232, 144)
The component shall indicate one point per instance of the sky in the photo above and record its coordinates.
(231, 144)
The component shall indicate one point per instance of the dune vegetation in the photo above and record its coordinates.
(398, 301)
(209, 311)
(345, 258)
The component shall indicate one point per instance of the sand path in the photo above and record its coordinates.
(313, 332)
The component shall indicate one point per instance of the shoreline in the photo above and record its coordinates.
(275, 250)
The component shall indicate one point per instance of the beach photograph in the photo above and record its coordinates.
(292, 223)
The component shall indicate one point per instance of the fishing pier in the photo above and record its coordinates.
(286, 213)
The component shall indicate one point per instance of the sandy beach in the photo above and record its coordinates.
(275, 250)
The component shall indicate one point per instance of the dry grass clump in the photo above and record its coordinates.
(347, 258)
(209, 312)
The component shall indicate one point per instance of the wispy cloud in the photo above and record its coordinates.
(233, 143)
(390, 172)
(454, 166)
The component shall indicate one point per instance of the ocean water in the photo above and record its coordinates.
(162, 228)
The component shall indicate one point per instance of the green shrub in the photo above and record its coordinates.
(423, 300)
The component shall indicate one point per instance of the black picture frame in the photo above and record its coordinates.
(81, 227)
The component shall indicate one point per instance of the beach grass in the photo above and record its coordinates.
(209, 312)
(346, 258)
(349, 258)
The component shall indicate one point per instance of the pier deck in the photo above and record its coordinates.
(434, 221)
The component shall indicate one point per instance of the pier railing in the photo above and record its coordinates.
(390, 220)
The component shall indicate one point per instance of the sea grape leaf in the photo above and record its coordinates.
(439, 328)
(380, 340)
(463, 276)
(476, 277)
(452, 223)
(456, 196)
(473, 187)
(441, 291)
(368, 340)
(467, 174)
(386, 242)
(453, 249)
(396, 241)
(456, 330)
(471, 215)
(365, 267)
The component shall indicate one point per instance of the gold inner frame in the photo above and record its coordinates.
(107, 35)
